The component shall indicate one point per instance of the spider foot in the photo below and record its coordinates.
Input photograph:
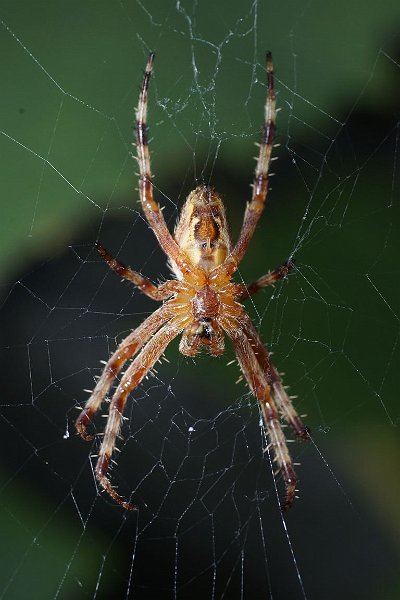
(81, 423)
(306, 434)
(101, 470)
(106, 485)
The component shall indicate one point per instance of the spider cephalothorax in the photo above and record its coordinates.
(201, 303)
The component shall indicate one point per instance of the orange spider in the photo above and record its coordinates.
(201, 302)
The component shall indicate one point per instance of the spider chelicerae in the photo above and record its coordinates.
(201, 302)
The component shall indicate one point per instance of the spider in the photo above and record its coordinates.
(201, 302)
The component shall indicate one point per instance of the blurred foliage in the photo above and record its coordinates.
(71, 80)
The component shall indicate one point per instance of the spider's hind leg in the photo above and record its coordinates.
(256, 206)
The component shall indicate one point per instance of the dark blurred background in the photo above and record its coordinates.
(209, 524)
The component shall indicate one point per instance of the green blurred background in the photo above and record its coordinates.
(209, 524)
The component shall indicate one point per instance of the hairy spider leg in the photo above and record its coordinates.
(281, 398)
(161, 292)
(260, 183)
(268, 279)
(132, 377)
(151, 208)
(127, 348)
(258, 384)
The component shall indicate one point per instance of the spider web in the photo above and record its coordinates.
(193, 454)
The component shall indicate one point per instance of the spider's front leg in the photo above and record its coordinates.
(127, 348)
(282, 399)
(131, 379)
(258, 384)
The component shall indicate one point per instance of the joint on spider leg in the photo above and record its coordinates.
(290, 479)
(290, 263)
(259, 192)
(302, 431)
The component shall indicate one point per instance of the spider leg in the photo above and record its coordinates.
(282, 399)
(258, 384)
(127, 348)
(151, 208)
(260, 182)
(161, 292)
(268, 279)
(131, 379)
